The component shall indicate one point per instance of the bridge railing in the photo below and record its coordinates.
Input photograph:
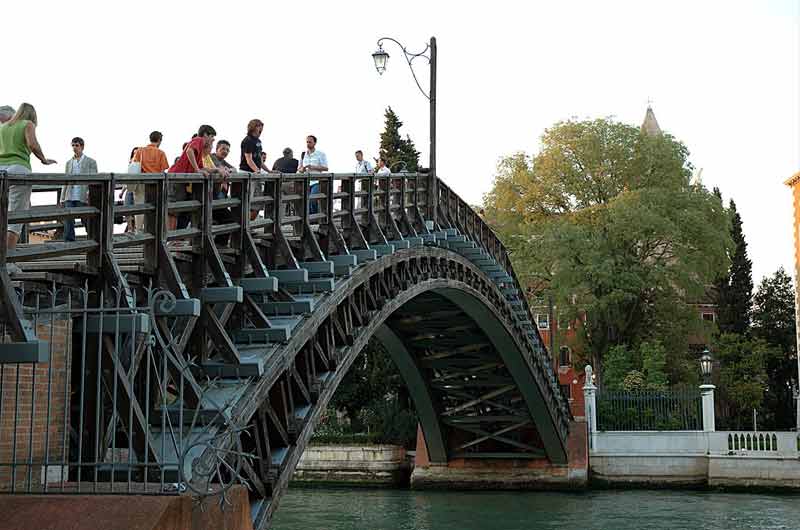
(313, 199)
(300, 217)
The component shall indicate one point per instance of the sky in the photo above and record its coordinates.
(723, 77)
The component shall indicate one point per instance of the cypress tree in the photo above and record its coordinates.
(736, 291)
(399, 153)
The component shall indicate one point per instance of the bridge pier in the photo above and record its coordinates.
(505, 473)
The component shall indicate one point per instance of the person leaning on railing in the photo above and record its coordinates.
(191, 161)
(17, 142)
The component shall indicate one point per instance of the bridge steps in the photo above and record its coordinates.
(302, 305)
(452, 240)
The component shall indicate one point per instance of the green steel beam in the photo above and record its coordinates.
(420, 393)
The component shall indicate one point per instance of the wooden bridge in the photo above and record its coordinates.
(203, 357)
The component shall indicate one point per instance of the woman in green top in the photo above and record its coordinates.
(17, 142)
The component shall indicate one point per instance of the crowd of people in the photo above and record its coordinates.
(199, 155)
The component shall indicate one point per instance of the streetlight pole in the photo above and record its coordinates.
(381, 57)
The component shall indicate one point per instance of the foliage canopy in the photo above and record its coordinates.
(605, 221)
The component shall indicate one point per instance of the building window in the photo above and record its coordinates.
(563, 356)
(566, 391)
(543, 321)
(709, 317)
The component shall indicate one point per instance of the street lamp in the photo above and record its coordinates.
(707, 391)
(706, 365)
(381, 58)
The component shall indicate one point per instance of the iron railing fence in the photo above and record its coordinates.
(87, 420)
(678, 409)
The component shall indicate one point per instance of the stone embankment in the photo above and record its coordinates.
(375, 465)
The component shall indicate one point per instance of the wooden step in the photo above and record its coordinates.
(213, 295)
(365, 255)
(383, 250)
(289, 276)
(261, 335)
(298, 307)
(318, 269)
(315, 285)
(259, 285)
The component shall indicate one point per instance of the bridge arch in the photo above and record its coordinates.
(436, 281)
(267, 316)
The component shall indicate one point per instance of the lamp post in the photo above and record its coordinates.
(706, 365)
(707, 391)
(381, 58)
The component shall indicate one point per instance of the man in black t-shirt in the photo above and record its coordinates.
(287, 163)
(251, 148)
(251, 157)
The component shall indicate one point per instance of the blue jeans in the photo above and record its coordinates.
(69, 224)
(313, 206)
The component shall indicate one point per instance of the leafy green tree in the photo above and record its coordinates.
(604, 216)
(399, 152)
(735, 291)
(742, 377)
(654, 361)
(618, 364)
(372, 377)
(774, 322)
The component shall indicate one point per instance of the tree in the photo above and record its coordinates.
(654, 361)
(375, 399)
(735, 291)
(774, 323)
(618, 364)
(644, 368)
(399, 152)
(605, 216)
(742, 377)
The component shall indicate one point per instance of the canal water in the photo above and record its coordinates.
(363, 509)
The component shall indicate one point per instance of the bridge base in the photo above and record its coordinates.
(126, 512)
(506, 474)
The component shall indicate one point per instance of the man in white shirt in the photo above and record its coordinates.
(382, 169)
(313, 160)
(363, 167)
(74, 195)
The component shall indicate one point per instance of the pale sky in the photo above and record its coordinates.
(723, 77)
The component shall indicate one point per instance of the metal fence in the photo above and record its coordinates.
(98, 414)
(650, 410)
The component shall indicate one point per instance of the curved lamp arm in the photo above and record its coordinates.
(409, 59)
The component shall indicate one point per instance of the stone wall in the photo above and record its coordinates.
(349, 464)
(694, 458)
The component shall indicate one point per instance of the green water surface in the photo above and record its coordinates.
(365, 509)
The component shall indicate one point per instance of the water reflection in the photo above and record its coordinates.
(365, 509)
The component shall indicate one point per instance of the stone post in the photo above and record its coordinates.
(707, 393)
(590, 405)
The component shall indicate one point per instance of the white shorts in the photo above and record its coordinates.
(19, 195)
